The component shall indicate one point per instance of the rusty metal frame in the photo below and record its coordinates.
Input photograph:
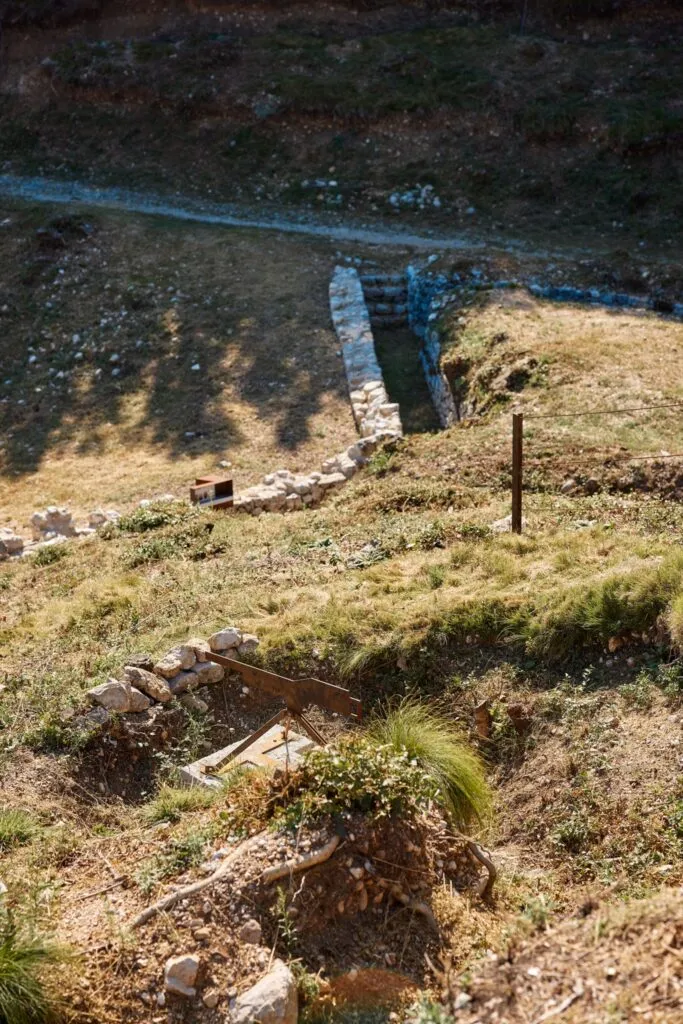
(297, 695)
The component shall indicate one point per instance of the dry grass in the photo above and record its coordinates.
(250, 310)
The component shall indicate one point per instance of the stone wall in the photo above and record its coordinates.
(145, 683)
(423, 292)
(375, 415)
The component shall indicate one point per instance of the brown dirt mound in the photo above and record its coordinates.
(621, 964)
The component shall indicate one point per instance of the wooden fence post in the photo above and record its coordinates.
(517, 456)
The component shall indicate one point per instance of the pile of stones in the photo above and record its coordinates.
(52, 526)
(186, 667)
(282, 491)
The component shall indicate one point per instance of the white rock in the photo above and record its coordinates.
(52, 521)
(248, 645)
(208, 672)
(301, 487)
(177, 660)
(330, 480)
(10, 542)
(112, 695)
(225, 638)
(293, 502)
(200, 647)
(330, 465)
(180, 975)
(153, 685)
(138, 700)
(182, 682)
(272, 1000)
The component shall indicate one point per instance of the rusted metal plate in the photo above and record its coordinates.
(296, 693)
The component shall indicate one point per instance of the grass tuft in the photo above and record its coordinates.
(23, 958)
(438, 747)
(17, 827)
(172, 802)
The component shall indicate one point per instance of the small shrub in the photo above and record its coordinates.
(23, 959)
(382, 462)
(156, 549)
(436, 575)
(432, 535)
(50, 554)
(639, 693)
(573, 834)
(17, 827)
(141, 520)
(171, 803)
(431, 741)
(356, 774)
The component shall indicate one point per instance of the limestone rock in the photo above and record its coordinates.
(191, 702)
(207, 672)
(293, 502)
(53, 521)
(272, 1000)
(200, 647)
(10, 543)
(329, 480)
(248, 645)
(177, 660)
(568, 486)
(138, 701)
(99, 517)
(112, 695)
(225, 638)
(182, 682)
(142, 660)
(155, 687)
(91, 722)
(250, 932)
(180, 975)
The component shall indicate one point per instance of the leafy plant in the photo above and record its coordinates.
(356, 774)
(429, 739)
(23, 959)
(179, 855)
(151, 517)
(50, 554)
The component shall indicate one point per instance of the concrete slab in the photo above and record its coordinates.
(272, 750)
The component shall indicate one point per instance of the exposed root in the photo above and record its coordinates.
(189, 890)
(482, 856)
(416, 906)
(301, 863)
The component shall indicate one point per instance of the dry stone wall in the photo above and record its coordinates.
(145, 683)
(375, 415)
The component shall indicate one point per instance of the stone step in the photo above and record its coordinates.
(387, 308)
(389, 320)
(383, 279)
(385, 292)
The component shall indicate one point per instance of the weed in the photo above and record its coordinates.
(382, 462)
(427, 1011)
(432, 535)
(574, 834)
(538, 910)
(285, 921)
(356, 775)
(156, 549)
(17, 827)
(50, 554)
(638, 694)
(151, 517)
(436, 575)
(431, 741)
(171, 803)
(179, 855)
(24, 998)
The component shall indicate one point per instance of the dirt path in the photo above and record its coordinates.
(49, 190)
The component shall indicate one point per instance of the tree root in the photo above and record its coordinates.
(416, 906)
(189, 890)
(302, 863)
(486, 888)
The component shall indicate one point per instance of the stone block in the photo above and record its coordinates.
(178, 659)
(149, 683)
(207, 672)
(225, 638)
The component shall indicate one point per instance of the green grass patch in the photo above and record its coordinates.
(17, 827)
(433, 742)
(24, 998)
(171, 802)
